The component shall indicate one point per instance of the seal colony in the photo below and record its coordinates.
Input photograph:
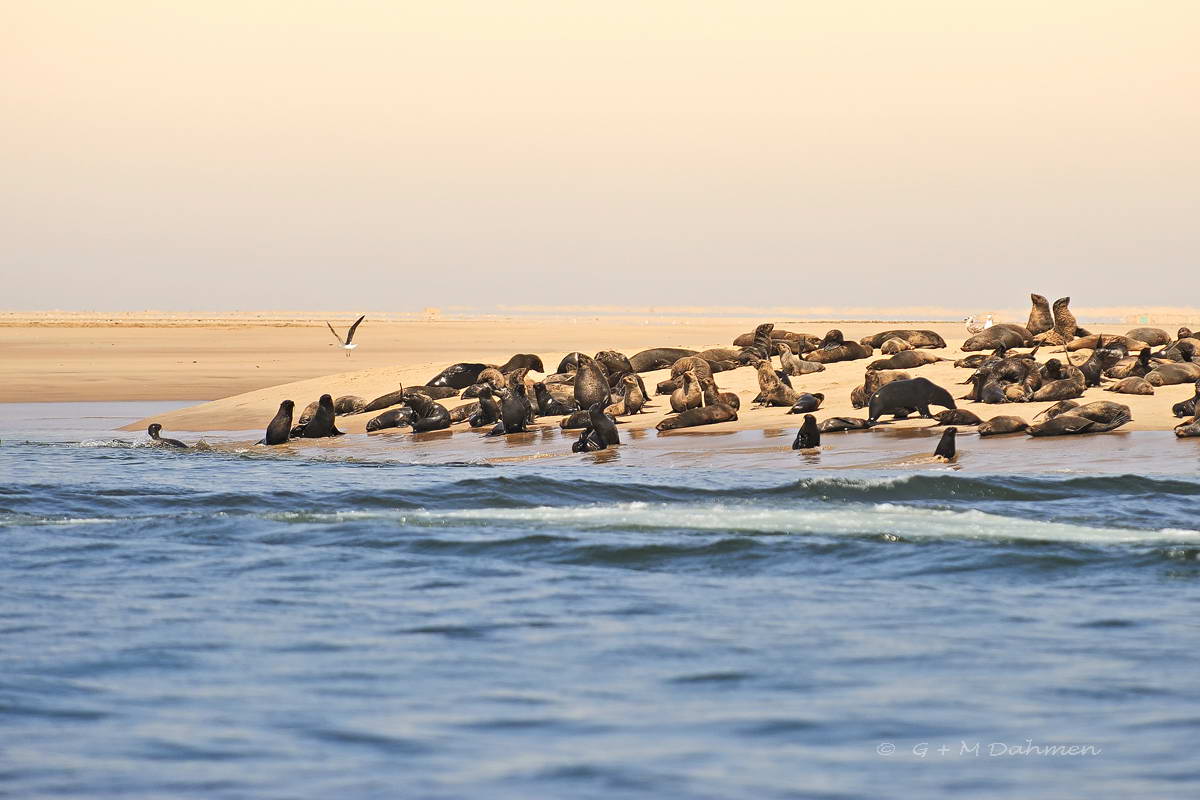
(763, 375)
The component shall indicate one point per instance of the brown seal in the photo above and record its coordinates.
(631, 402)
(917, 338)
(895, 345)
(1132, 386)
(772, 391)
(699, 416)
(689, 395)
(1001, 425)
(1040, 318)
(909, 359)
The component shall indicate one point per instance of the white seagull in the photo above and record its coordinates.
(973, 327)
(349, 344)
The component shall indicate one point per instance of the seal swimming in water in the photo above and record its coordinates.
(915, 393)
(807, 402)
(1040, 318)
(1001, 425)
(280, 427)
(153, 431)
(658, 358)
(809, 435)
(839, 424)
(708, 415)
(591, 383)
(945, 450)
(322, 423)
(391, 419)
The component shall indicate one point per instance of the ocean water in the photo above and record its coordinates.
(687, 616)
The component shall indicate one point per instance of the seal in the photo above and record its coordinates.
(909, 359)
(631, 401)
(772, 391)
(615, 364)
(1186, 429)
(514, 411)
(834, 348)
(1065, 325)
(488, 412)
(796, 366)
(1173, 373)
(1133, 368)
(895, 345)
(604, 427)
(349, 404)
(713, 395)
(585, 443)
(1132, 386)
(576, 419)
(917, 338)
(839, 424)
(945, 451)
(689, 395)
(1097, 417)
(391, 419)
(997, 426)
(308, 412)
(428, 415)
(457, 376)
(1187, 408)
(1151, 336)
(462, 413)
(915, 393)
(280, 427)
(956, 416)
(708, 415)
(1059, 382)
(553, 402)
(1102, 359)
(762, 344)
(1092, 341)
(809, 435)
(591, 383)
(1040, 318)
(807, 402)
(383, 401)
(872, 380)
(153, 431)
(435, 392)
(1002, 333)
(658, 358)
(322, 423)
(523, 361)
(799, 342)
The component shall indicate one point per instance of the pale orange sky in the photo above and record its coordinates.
(220, 155)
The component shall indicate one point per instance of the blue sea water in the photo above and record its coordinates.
(689, 616)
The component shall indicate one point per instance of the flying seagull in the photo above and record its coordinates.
(347, 345)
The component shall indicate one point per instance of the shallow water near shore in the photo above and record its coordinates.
(700, 615)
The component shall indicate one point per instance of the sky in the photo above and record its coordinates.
(395, 155)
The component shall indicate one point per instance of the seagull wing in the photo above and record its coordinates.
(335, 333)
(353, 328)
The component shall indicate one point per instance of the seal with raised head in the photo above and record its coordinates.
(689, 395)
(615, 364)
(1040, 318)
(428, 415)
(807, 402)
(591, 383)
(523, 361)
(708, 415)
(280, 427)
(604, 427)
(551, 402)
(1187, 408)
(1065, 325)
(713, 395)
(900, 396)
(488, 411)
(586, 443)
(154, 429)
(997, 426)
(772, 391)
(945, 450)
(834, 348)
(632, 399)
(809, 435)
(514, 411)
(322, 423)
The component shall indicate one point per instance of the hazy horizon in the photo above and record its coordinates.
(221, 156)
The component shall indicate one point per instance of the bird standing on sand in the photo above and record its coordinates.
(348, 344)
(987, 323)
(973, 327)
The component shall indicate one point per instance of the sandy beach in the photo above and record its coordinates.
(243, 365)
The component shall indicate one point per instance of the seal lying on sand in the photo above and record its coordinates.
(1097, 417)
(915, 338)
(908, 359)
(1174, 373)
(835, 348)
(391, 419)
(809, 435)
(1132, 386)
(1151, 336)
(658, 358)
(806, 402)
(348, 404)
(457, 376)
(1002, 333)
(956, 416)
(153, 431)
(383, 401)
(903, 396)
(280, 426)
(1001, 425)
(428, 415)
(894, 345)
(792, 365)
(720, 412)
